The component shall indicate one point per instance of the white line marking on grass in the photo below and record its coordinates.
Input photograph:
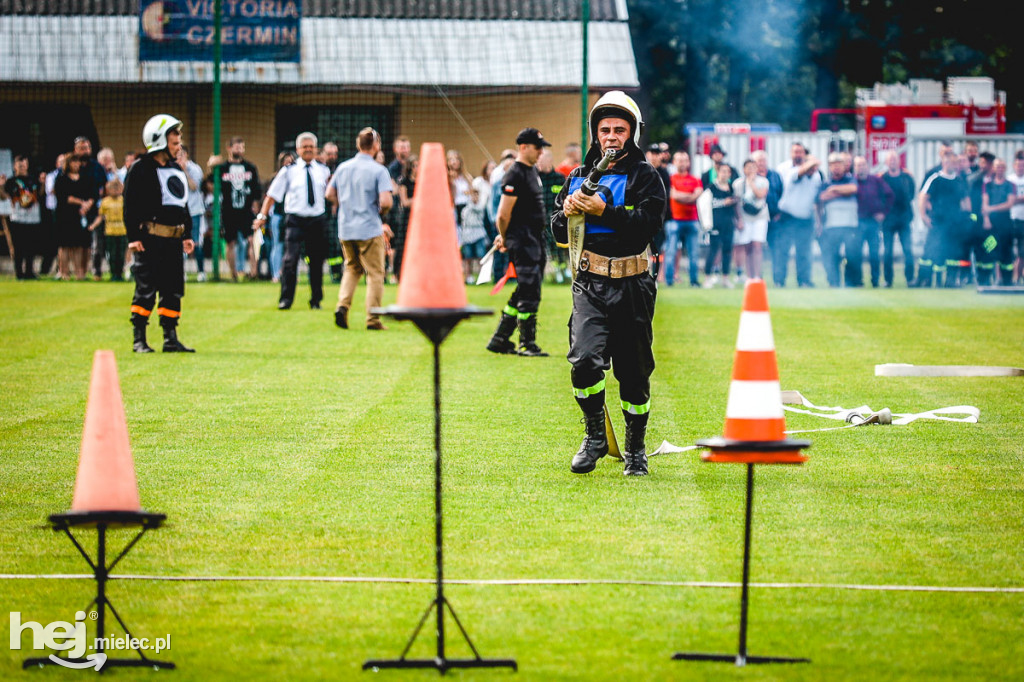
(514, 582)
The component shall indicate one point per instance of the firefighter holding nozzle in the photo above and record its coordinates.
(159, 229)
(608, 227)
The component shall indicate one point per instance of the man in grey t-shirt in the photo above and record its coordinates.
(362, 189)
(837, 207)
(801, 180)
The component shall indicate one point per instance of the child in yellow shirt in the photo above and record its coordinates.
(112, 214)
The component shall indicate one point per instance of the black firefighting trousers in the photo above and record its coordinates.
(159, 269)
(529, 261)
(611, 327)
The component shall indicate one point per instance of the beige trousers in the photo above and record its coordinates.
(363, 257)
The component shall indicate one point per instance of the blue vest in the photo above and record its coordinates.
(612, 190)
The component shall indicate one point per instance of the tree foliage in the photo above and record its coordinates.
(777, 60)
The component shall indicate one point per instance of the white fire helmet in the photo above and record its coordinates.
(154, 134)
(617, 104)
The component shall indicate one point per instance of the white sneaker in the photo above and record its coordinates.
(201, 277)
(710, 282)
(729, 283)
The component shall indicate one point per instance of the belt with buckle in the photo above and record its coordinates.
(158, 230)
(616, 268)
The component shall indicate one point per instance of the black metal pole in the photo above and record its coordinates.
(741, 657)
(436, 326)
(438, 539)
(101, 583)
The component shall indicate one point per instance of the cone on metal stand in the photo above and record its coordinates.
(755, 426)
(106, 496)
(432, 294)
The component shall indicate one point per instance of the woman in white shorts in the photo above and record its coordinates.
(752, 232)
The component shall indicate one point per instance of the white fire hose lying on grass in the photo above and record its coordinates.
(856, 416)
(864, 415)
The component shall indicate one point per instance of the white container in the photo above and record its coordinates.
(979, 91)
(926, 91)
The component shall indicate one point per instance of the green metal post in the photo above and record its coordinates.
(585, 19)
(217, 13)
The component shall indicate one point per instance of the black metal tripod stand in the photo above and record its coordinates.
(741, 658)
(436, 324)
(101, 572)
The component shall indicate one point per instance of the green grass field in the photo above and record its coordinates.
(286, 447)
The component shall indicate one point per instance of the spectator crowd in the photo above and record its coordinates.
(732, 222)
(971, 204)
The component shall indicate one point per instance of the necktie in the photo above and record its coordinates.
(309, 186)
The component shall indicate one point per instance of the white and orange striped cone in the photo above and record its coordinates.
(755, 423)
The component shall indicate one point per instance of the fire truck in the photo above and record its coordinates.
(886, 115)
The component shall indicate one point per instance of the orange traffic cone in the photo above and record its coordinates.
(106, 471)
(755, 424)
(431, 267)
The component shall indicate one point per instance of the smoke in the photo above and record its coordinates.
(759, 56)
(721, 60)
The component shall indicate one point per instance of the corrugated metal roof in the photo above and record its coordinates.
(523, 10)
(337, 52)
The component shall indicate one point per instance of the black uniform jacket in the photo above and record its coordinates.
(156, 194)
(635, 210)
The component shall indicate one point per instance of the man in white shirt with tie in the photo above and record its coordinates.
(301, 186)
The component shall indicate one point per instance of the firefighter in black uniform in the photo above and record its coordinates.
(944, 204)
(521, 224)
(158, 225)
(613, 294)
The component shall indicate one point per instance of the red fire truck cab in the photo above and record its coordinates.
(886, 114)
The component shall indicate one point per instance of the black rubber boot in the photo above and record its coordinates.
(594, 445)
(500, 342)
(635, 452)
(139, 344)
(528, 338)
(171, 342)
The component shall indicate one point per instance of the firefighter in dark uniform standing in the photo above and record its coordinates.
(944, 205)
(613, 294)
(521, 224)
(158, 225)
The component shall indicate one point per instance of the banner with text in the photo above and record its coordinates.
(251, 30)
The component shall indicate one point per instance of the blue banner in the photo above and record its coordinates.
(251, 30)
